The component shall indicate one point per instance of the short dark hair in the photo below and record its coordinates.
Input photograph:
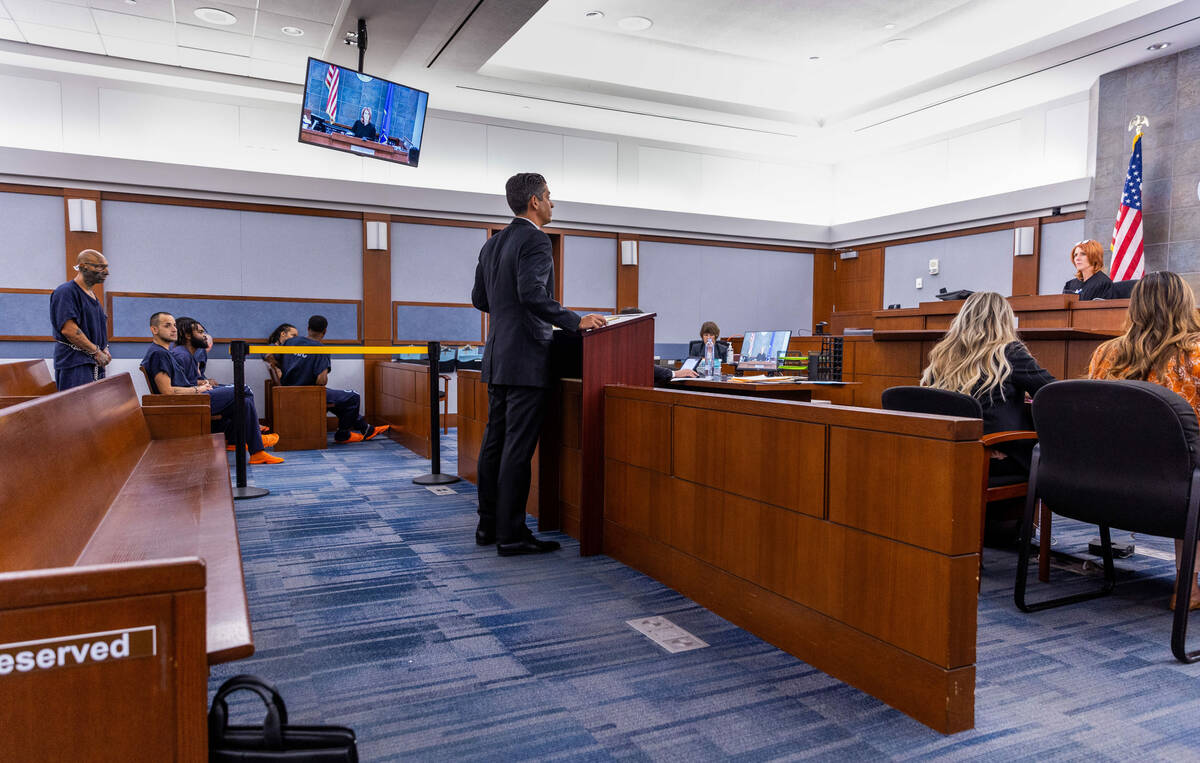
(154, 318)
(278, 332)
(708, 327)
(520, 187)
(317, 324)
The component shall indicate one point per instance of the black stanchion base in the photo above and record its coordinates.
(436, 479)
(249, 491)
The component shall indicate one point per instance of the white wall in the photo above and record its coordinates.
(128, 120)
(1040, 147)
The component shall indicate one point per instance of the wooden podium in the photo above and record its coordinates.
(570, 458)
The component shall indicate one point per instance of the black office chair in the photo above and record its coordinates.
(942, 402)
(1122, 454)
(1120, 290)
(696, 349)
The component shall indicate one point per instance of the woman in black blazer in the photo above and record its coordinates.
(981, 356)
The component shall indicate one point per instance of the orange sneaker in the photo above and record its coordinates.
(377, 431)
(354, 437)
(270, 440)
(263, 457)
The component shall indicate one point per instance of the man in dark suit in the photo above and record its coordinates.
(514, 285)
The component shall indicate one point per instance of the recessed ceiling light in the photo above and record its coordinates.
(131, 2)
(215, 16)
(635, 23)
(292, 31)
(814, 58)
(889, 26)
(1159, 46)
(594, 15)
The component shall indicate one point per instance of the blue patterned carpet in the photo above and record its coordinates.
(372, 607)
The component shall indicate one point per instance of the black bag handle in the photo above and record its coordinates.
(218, 716)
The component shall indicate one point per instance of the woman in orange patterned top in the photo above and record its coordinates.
(1161, 345)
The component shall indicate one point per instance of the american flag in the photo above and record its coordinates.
(331, 80)
(1127, 262)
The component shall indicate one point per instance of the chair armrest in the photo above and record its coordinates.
(1017, 435)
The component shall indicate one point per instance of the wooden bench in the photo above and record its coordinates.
(120, 575)
(25, 380)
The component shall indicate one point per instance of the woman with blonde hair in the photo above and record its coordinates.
(1090, 281)
(1160, 345)
(981, 356)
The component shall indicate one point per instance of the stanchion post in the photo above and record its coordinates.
(237, 351)
(435, 477)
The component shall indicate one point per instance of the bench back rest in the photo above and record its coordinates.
(66, 456)
(26, 377)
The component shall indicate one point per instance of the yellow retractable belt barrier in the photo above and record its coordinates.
(305, 349)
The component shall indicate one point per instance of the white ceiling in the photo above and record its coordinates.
(812, 80)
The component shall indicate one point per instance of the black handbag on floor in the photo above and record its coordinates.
(275, 740)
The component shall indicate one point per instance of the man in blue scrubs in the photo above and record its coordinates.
(300, 370)
(168, 377)
(80, 325)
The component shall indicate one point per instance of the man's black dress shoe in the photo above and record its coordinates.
(484, 538)
(530, 545)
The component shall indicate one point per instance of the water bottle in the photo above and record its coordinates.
(709, 356)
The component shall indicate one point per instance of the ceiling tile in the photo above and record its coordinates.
(185, 15)
(277, 71)
(133, 27)
(211, 39)
(141, 50)
(325, 11)
(270, 24)
(46, 13)
(9, 31)
(216, 62)
(39, 34)
(151, 9)
(281, 52)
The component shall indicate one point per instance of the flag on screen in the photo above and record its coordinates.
(331, 82)
(1127, 261)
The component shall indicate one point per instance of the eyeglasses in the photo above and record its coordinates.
(94, 266)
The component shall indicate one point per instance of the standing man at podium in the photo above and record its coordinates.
(514, 285)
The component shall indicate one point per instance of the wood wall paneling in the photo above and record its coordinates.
(627, 279)
(858, 283)
(1026, 267)
(377, 313)
(823, 286)
(77, 241)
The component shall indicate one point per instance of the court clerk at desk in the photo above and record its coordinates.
(1090, 281)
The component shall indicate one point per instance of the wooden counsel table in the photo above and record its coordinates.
(800, 392)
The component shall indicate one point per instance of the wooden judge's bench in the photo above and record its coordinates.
(1060, 331)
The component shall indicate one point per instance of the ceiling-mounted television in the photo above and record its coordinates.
(364, 115)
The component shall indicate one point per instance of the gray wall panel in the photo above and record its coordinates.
(1054, 264)
(422, 323)
(25, 315)
(32, 241)
(299, 256)
(741, 289)
(982, 262)
(233, 317)
(590, 271)
(434, 263)
(160, 248)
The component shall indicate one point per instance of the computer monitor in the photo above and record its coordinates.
(761, 349)
(364, 115)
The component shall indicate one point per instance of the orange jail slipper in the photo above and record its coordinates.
(270, 440)
(377, 431)
(263, 457)
(354, 437)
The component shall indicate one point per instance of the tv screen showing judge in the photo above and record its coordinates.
(764, 346)
(364, 115)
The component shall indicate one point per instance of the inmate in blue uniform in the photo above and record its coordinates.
(303, 370)
(201, 356)
(159, 360)
(73, 367)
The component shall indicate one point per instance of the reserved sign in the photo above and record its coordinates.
(81, 649)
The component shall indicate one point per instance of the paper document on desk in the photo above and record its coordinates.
(764, 379)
